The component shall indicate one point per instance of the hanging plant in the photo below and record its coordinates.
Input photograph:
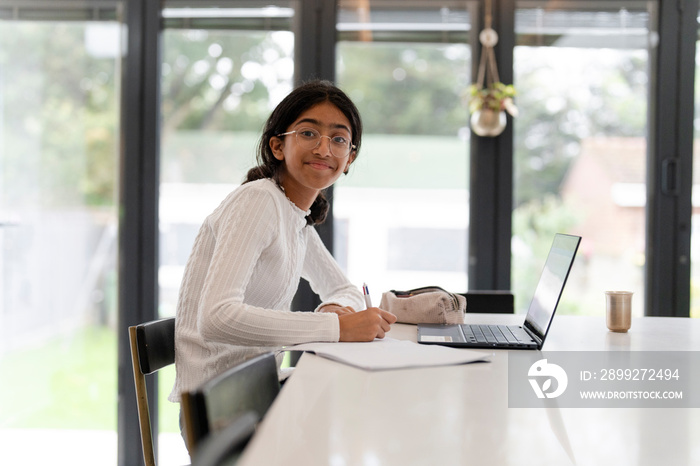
(488, 105)
(496, 97)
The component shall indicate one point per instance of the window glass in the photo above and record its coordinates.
(59, 136)
(582, 78)
(401, 214)
(695, 232)
(223, 71)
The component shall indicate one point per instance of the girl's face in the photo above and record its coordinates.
(308, 171)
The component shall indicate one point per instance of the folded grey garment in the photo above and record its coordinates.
(427, 305)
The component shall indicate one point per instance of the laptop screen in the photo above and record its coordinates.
(549, 289)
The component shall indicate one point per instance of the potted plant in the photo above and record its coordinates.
(488, 106)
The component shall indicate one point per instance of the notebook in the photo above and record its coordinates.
(532, 333)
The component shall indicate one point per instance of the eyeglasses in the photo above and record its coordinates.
(309, 138)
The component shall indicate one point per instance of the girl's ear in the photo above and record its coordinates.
(277, 146)
(351, 159)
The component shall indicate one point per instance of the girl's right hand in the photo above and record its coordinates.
(365, 325)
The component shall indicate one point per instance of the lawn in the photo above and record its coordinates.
(70, 382)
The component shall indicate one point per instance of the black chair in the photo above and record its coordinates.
(490, 301)
(250, 386)
(152, 348)
(225, 447)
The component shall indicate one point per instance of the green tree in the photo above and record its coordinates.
(222, 80)
(560, 105)
(218, 88)
(60, 116)
(412, 89)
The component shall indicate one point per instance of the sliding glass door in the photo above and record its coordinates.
(223, 71)
(580, 161)
(59, 147)
(401, 215)
(695, 236)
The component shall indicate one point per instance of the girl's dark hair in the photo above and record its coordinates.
(297, 102)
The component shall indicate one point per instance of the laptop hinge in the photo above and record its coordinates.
(534, 336)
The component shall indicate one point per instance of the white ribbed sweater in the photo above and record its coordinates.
(244, 269)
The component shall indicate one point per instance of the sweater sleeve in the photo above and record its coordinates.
(326, 278)
(241, 233)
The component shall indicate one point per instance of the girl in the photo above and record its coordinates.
(246, 262)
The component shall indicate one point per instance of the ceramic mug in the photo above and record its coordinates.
(618, 313)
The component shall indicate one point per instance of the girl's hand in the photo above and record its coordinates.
(365, 325)
(340, 310)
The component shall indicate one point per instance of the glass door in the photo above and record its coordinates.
(59, 149)
(224, 70)
(695, 235)
(401, 215)
(582, 77)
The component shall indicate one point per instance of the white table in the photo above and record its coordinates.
(329, 413)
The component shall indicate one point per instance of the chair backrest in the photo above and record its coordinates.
(490, 301)
(152, 348)
(250, 386)
(156, 344)
(225, 447)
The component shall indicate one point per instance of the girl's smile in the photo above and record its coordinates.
(319, 165)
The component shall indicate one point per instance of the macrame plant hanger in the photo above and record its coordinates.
(488, 103)
(488, 38)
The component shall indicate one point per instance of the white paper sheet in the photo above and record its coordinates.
(388, 353)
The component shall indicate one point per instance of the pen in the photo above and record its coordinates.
(368, 299)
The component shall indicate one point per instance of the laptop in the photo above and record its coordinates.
(532, 333)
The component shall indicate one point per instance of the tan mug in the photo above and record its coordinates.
(618, 313)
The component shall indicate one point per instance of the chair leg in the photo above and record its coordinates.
(142, 402)
(188, 423)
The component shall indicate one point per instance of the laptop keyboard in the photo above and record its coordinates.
(490, 334)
